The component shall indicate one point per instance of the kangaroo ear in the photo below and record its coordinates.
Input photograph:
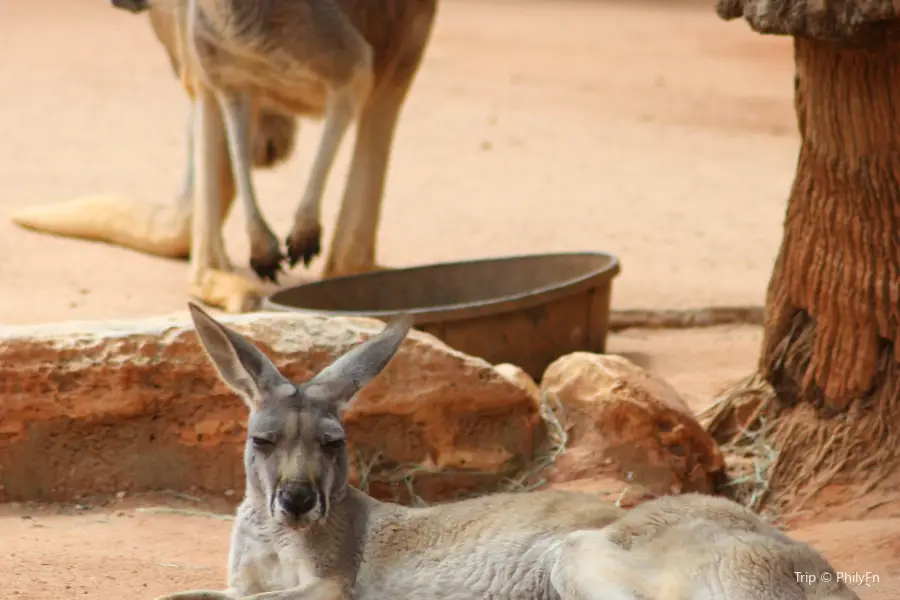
(342, 379)
(239, 363)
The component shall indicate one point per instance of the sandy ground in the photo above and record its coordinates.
(650, 130)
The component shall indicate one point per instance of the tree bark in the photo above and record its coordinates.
(833, 306)
(831, 349)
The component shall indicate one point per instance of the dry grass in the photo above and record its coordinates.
(532, 477)
(738, 420)
(748, 460)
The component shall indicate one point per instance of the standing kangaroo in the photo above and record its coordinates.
(343, 60)
(250, 63)
(302, 533)
(272, 132)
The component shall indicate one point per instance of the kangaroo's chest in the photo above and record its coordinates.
(271, 564)
(506, 568)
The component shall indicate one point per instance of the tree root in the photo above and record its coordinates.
(800, 450)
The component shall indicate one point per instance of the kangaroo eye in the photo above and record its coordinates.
(261, 443)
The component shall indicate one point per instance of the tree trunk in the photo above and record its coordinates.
(833, 308)
(831, 350)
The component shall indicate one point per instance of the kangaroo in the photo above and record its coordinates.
(272, 132)
(250, 65)
(341, 60)
(302, 533)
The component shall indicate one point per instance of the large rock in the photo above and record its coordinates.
(88, 408)
(518, 376)
(623, 422)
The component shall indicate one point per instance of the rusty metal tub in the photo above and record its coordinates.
(527, 310)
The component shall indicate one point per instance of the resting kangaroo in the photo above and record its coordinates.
(302, 533)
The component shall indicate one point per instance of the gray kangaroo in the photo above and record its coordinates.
(342, 60)
(302, 533)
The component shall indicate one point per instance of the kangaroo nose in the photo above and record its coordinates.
(297, 501)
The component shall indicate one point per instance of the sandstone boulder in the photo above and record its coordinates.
(95, 408)
(517, 375)
(611, 489)
(623, 422)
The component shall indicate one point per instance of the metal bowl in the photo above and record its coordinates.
(527, 310)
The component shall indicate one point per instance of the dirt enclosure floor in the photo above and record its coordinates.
(651, 130)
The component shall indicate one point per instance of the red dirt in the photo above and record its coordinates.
(518, 137)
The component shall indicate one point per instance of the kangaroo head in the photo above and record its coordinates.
(295, 456)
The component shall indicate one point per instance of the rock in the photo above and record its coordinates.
(518, 376)
(623, 422)
(95, 408)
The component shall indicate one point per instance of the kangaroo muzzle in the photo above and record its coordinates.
(297, 500)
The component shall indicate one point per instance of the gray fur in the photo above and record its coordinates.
(692, 547)
(546, 545)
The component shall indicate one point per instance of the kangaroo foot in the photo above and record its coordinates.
(228, 291)
(266, 258)
(304, 243)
